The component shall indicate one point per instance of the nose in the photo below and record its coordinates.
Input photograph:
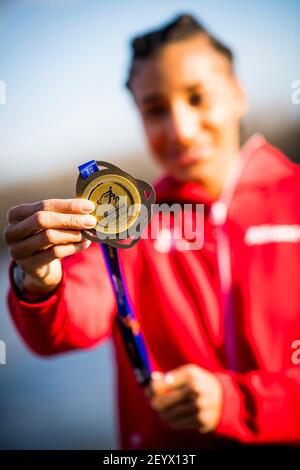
(184, 124)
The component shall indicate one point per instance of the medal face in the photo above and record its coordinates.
(119, 199)
(117, 203)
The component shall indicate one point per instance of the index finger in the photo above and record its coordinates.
(71, 206)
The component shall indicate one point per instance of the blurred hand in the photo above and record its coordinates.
(187, 398)
(39, 235)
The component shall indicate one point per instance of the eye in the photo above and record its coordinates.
(155, 111)
(195, 99)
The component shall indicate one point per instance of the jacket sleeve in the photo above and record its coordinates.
(261, 407)
(77, 315)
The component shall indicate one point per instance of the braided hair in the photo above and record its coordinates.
(182, 27)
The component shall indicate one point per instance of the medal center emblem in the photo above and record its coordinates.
(117, 203)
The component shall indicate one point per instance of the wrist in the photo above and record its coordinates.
(30, 288)
(32, 285)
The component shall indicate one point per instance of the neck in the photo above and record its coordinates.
(215, 181)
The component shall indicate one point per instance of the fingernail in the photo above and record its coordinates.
(156, 375)
(169, 379)
(90, 220)
(87, 206)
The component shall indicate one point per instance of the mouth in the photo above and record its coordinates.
(189, 158)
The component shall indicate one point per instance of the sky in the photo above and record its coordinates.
(64, 64)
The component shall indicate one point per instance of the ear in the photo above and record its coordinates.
(242, 105)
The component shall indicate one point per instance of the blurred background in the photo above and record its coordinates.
(64, 63)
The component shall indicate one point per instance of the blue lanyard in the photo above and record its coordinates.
(128, 324)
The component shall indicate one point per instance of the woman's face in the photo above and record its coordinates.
(191, 105)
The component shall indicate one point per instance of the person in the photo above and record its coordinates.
(218, 321)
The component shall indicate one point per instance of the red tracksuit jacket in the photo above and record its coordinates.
(179, 299)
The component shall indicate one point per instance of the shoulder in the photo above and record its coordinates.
(269, 168)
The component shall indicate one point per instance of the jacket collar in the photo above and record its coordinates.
(259, 164)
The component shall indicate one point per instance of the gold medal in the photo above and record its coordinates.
(122, 209)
